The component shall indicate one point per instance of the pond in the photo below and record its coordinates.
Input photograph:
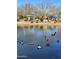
(34, 42)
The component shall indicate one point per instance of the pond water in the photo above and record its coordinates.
(39, 43)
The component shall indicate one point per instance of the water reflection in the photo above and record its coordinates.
(39, 42)
(48, 45)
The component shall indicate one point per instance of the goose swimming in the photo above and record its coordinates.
(53, 34)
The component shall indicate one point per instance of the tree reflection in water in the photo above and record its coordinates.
(38, 41)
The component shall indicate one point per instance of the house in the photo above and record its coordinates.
(29, 17)
(45, 19)
(54, 18)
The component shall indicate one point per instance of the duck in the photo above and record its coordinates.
(48, 39)
(39, 46)
(53, 34)
(58, 41)
(47, 45)
(22, 42)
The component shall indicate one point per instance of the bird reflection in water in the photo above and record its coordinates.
(48, 45)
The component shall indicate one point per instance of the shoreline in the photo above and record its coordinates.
(24, 23)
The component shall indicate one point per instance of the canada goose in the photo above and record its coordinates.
(53, 34)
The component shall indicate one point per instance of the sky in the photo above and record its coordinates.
(35, 2)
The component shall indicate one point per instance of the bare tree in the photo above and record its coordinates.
(41, 9)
